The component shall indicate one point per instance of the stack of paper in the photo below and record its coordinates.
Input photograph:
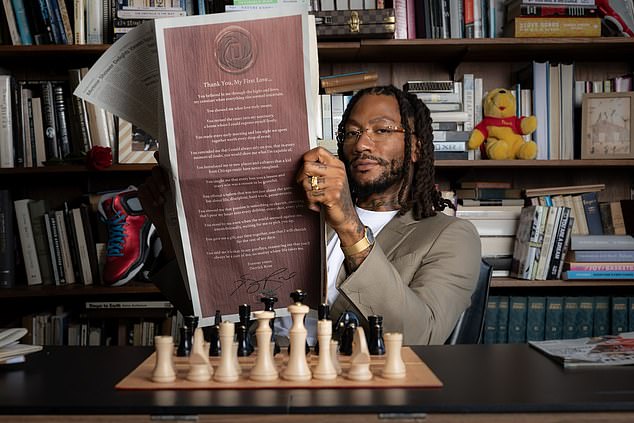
(11, 351)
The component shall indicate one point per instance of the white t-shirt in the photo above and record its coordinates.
(372, 219)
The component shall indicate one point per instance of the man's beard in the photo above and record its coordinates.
(393, 172)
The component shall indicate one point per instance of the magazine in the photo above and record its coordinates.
(608, 350)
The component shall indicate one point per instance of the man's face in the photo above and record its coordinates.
(375, 161)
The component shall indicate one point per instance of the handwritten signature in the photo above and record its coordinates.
(271, 282)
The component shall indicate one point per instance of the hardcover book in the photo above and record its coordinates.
(535, 318)
(554, 318)
(571, 308)
(7, 243)
(517, 320)
(525, 27)
(601, 318)
(503, 320)
(491, 320)
(620, 307)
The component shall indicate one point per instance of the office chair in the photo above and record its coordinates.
(470, 326)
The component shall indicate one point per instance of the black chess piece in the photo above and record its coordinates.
(245, 344)
(342, 323)
(298, 296)
(214, 338)
(376, 345)
(269, 305)
(323, 313)
(186, 333)
(345, 347)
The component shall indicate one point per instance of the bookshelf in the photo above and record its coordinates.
(396, 61)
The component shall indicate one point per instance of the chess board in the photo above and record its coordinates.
(418, 375)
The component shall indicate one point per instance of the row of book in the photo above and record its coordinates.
(84, 329)
(518, 319)
(47, 123)
(596, 257)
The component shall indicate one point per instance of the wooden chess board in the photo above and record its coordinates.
(418, 375)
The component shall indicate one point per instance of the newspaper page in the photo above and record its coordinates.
(586, 352)
(237, 119)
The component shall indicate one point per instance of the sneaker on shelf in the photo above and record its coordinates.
(129, 233)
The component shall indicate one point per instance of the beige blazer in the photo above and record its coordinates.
(419, 276)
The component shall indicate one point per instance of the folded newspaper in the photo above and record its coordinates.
(606, 350)
(11, 350)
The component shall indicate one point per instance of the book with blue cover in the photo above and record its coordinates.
(598, 275)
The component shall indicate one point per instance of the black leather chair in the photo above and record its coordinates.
(470, 326)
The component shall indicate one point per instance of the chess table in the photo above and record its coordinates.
(481, 383)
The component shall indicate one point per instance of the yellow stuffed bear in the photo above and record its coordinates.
(501, 130)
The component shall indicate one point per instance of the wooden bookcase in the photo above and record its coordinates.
(396, 61)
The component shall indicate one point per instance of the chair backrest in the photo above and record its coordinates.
(470, 326)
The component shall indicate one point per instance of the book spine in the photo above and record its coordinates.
(580, 275)
(554, 318)
(602, 242)
(503, 320)
(22, 22)
(79, 17)
(65, 253)
(79, 113)
(17, 151)
(81, 246)
(91, 246)
(591, 210)
(27, 242)
(11, 23)
(50, 128)
(571, 307)
(71, 235)
(557, 27)
(491, 320)
(61, 120)
(517, 320)
(603, 256)
(585, 316)
(557, 257)
(54, 248)
(7, 241)
(65, 21)
(94, 22)
(557, 10)
(6, 122)
(450, 146)
(349, 79)
(601, 318)
(535, 318)
(56, 20)
(619, 317)
(603, 267)
(562, 2)
(37, 209)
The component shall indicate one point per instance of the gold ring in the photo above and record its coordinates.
(314, 183)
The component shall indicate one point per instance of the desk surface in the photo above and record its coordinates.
(477, 379)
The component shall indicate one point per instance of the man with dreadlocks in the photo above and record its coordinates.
(421, 269)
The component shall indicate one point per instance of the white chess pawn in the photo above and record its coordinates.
(226, 370)
(199, 368)
(163, 371)
(360, 360)
(325, 369)
(264, 369)
(394, 366)
(334, 355)
(297, 368)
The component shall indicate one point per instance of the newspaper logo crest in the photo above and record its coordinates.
(235, 49)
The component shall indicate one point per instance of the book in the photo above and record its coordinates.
(486, 184)
(7, 242)
(517, 320)
(561, 242)
(619, 256)
(57, 262)
(86, 275)
(523, 27)
(347, 78)
(91, 245)
(571, 308)
(119, 305)
(527, 241)
(493, 202)
(452, 136)
(11, 23)
(489, 212)
(601, 317)
(619, 315)
(585, 316)
(490, 227)
(22, 22)
(554, 320)
(570, 275)
(602, 242)
(591, 210)
(6, 122)
(503, 320)
(572, 189)
(61, 120)
(37, 209)
(27, 242)
(491, 320)
(64, 246)
(497, 245)
(489, 193)
(519, 8)
(535, 318)
(356, 86)
(599, 266)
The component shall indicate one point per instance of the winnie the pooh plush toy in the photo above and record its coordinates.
(499, 134)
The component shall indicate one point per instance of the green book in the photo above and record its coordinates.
(491, 320)
(585, 315)
(503, 320)
(517, 320)
(601, 321)
(554, 318)
(571, 307)
(619, 315)
(535, 318)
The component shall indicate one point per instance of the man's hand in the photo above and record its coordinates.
(153, 194)
(330, 191)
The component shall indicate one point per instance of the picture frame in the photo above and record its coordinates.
(607, 129)
(134, 145)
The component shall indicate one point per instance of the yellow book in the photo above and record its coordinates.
(526, 27)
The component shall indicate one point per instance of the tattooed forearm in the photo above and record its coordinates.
(353, 262)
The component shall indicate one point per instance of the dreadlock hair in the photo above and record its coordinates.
(421, 195)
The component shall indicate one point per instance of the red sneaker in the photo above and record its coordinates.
(129, 231)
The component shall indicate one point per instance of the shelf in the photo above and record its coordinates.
(73, 290)
(480, 50)
(118, 168)
(521, 283)
(628, 163)
(419, 50)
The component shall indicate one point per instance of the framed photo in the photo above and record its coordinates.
(607, 131)
(134, 144)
